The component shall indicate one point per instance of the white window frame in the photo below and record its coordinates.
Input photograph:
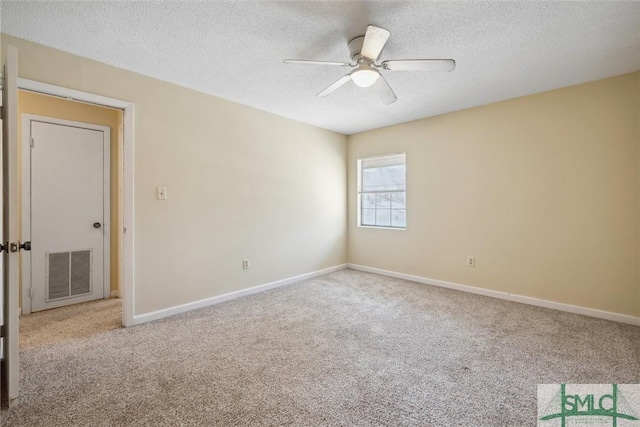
(360, 192)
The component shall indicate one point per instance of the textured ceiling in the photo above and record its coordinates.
(234, 50)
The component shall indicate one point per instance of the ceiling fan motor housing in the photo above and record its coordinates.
(355, 47)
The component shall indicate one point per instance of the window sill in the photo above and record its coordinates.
(382, 228)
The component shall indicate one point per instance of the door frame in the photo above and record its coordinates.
(25, 215)
(126, 172)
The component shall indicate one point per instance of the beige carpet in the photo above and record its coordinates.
(66, 323)
(345, 349)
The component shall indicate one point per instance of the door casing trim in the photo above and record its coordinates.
(127, 255)
(25, 214)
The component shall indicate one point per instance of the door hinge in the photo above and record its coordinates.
(124, 229)
(30, 292)
(1, 331)
(32, 142)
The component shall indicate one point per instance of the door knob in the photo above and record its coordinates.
(16, 246)
(97, 225)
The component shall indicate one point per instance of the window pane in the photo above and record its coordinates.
(384, 178)
(368, 217)
(383, 200)
(398, 200)
(368, 201)
(398, 218)
(383, 217)
(382, 191)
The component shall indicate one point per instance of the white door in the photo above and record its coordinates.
(9, 215)
(69, 227)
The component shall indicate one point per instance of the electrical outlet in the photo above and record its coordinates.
(245, 264)
(471, 261)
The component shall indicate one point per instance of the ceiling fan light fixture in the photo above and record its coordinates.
(364, 76)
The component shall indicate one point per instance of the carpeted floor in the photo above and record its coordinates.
(66, 323)
(346, 349)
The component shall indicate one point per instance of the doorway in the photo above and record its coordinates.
(66, 215)
(122, 167)
(71, 157)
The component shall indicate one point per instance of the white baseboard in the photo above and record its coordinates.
(166, 312)
(115, 294)
(592, 312)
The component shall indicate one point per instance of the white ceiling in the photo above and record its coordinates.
(234, 50)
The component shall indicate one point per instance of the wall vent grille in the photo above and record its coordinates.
(68, 274)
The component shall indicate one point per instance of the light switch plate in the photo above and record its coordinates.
(161, 193)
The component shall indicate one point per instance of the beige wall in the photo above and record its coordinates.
(241, 183)
(33, 103)
(542, 190)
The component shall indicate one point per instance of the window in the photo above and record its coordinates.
(382, 191)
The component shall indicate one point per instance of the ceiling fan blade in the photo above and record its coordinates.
(313, 62)
(374, 40)
(384, 91)
(342, 80)
(419, 65)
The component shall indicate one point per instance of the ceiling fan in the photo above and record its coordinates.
(365, 51)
